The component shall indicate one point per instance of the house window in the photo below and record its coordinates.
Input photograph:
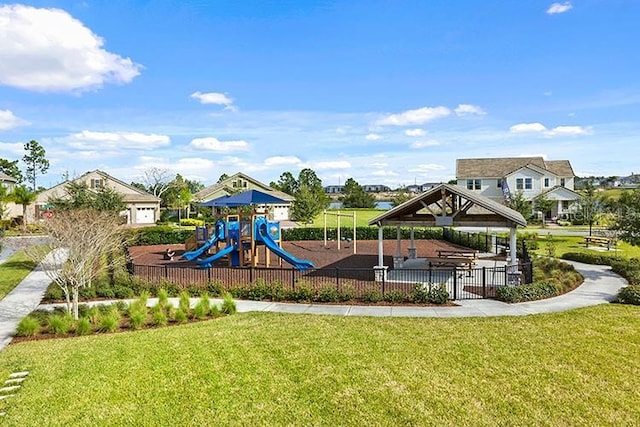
(519, 184)
(546, 182)
(97, 183)
(528, 183)
(234, 184)
(562, 182)
(499, 183)
(565, 205)
(474, 184)
(244, 184)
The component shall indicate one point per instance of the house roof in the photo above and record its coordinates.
(450, 203)
(558, 190)
(6, 178)
(502, 166)
(226, 187)
(137, 195)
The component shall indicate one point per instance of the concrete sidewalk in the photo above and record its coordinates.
(601, 285)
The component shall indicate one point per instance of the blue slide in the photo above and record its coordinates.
(298, 264)
(217, 236)
(208, 262)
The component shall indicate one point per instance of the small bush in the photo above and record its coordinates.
(187, 222)
(301, 292)
(54, 293)
(163, 297)
(629, 295)
(83, 326)
(180, 316)
(109, 319)
(395, 297)
(327, 293)
(530, 292)
(137, 318)
(228, 304)
(184, 302)
(347, 293)
(215, 311)
(159, 316)
(430, 293)
(200, 311)
(215, 288)
(371, 296)
(28, 327)
(60, 324)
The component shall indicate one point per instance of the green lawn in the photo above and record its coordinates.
(13, 270)
(565, 244)
(362, 218)
(573, 368)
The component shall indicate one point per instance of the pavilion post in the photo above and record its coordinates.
(513, 254)
(413, 252)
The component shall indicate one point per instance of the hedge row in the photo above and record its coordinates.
(629, 295)
(629, 268)
(159, 235)
(531, 292)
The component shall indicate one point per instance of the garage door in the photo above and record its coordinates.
(144, 215)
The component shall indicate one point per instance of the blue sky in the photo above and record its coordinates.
(385, 92)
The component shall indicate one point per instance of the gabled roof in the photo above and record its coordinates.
(7, 178)
(560, 189)
(450, 205)
(503, 166)
(137, 196)
(226, 187)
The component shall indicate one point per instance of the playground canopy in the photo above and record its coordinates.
(250, 197)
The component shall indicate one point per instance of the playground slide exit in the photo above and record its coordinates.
(217, 236)
(208, 262)
(297, 263)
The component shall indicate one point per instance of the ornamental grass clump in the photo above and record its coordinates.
(184, 302)
(180, 316)
(228, 304)
(28, 327)
(60, 324)
(109, 319)
(83, 326)
(159, 315)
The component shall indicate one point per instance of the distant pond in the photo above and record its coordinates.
(379, 205)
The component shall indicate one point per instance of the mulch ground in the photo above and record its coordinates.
(315, 251)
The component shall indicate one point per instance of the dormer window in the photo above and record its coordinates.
(561, 182)
(546, 182)
(97, 183)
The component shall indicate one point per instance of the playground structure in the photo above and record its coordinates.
(338, 215)
(239, 241)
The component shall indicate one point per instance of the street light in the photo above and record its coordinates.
(179, 211)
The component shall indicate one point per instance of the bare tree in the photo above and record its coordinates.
(80, 241)
(157, 180)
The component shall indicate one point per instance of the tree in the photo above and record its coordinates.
(79, 241)
(35, 160)
(80, 196)
(589, 204)
(222, 178)
(627, 216)
(4, 198)
(11, 168)
(140, 186)
(354, 196)
(157, 181)
(23, 196)
(520, 204)
(306, 207)
(307, 190)
(543, 204)
(401, 196)
(287, 184)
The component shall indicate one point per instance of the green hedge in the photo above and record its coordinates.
(629, 295)
(362, 233)
(159, 235)
(531, 292)
(629, 268)
(588, 258)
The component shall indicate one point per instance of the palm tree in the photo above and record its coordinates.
(23, 196)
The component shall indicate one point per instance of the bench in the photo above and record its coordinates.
(597, 240)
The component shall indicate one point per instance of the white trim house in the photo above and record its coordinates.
(501, 178)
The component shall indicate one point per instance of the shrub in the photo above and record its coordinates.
(137, 318)
(395, 297)
(158, 315)
(180, 316)
(215, 288)
(54, 293)
(163, 297)
(228, 304)
(122, 292)
(200, 311)
(430, 293)
(327, 293)
(184, 302)
(259, 291)
(83, 326)
(529, 292)
(629, 295)
(109, 319)
(159, 235)
(28, 327)
(302, 292)
(371, 296)
(215, 311)
(588, 258)
(188, 222)
(60, 324)
(347, 293)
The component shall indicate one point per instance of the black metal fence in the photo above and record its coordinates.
(460, 283)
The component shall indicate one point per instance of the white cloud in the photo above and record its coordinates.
(216, 98)
(338, 164)
(556, 8)
(468, 109)
(384, 173)
(415, 132)
(423, 144)
(527, 128)
(414, 117)
(427, 167)
(214, 144)
(570, 130)
(558, 130)
(48, 50)
(281, 161)
(8, 120)
(15, 148)
(89, 140)
(184, 166)
(373, 137)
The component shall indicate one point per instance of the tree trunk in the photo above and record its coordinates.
(75, 303)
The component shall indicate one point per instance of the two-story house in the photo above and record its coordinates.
(501, 178)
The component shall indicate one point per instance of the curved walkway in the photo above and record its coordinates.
(601, 285)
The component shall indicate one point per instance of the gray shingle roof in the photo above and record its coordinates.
(6, 178)
(501, 166)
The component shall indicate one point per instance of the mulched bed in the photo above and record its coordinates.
(321, 256)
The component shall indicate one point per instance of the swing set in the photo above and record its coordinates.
(338, 215)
